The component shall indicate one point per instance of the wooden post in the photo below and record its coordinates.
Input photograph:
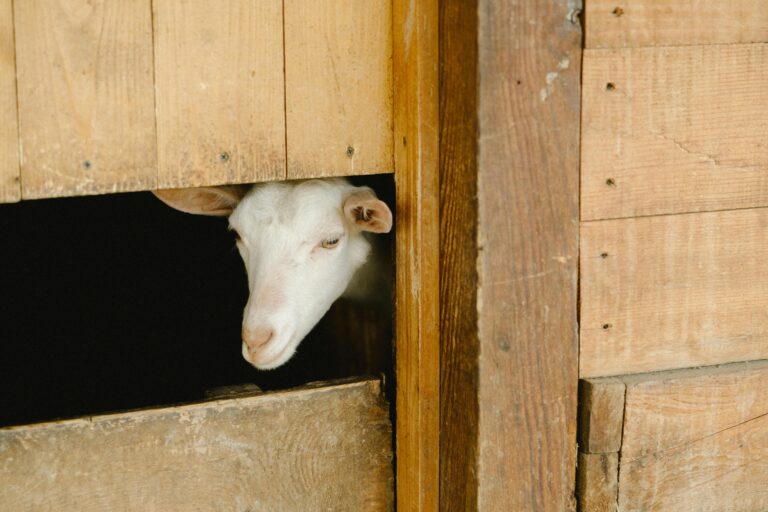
(509, 148)
(416, 176)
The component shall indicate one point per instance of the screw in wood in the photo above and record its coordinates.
(224, 157)
(618, 12)
(610, 182)
(350, 151)
(610, 86)
(87, 164)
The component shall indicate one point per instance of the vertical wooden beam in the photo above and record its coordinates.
(529, 60)
(415, 27)
(10, 190)
(509, 366)
(458, 255)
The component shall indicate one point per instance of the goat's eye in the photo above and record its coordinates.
(330, 243)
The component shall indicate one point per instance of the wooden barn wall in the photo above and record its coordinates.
(509, 151)
(673, 245)
(137, 95)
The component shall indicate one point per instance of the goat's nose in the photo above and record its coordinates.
(258, 337)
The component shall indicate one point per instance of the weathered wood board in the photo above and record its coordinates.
(610, 23)
(85, 96)
(220, 92)
(417, 279)
(10, 188)
(673, 291)
(327, 448)
(669, 130)
(694, 439)
(338, 87)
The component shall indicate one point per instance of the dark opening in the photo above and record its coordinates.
(117, 302)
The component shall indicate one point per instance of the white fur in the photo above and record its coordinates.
(293, 279)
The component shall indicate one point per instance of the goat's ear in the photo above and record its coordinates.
(215, 201)
(367, 212)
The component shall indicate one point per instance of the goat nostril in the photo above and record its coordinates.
(257, 338)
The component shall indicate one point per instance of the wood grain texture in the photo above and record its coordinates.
(696, 440)
(326, 448)
(597, 485)
(673, 291)
(611, 24)
(86, 97)
(10, 188)
(601, 415)
(528, 193)
(220, 94)
(417, 349)
(459, 342)
(338, 87)
(678, 130)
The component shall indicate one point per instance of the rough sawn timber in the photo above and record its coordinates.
(324, 448)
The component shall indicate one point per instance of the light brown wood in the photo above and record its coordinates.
(338, 87)
(674, 408)
(601, 415)
(597, 482)
(326, 448)
(668, 130)
(10, 189)
(612, 23)
(220, 92)
(417, 346)
(86, 97)
(673, 291)
(696, 440)
(529, 65)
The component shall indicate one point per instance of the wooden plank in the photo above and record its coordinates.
(338, 87)
(86, 97)
(673, 291)
(673, 408)
(601, 415)
(597, 482)
(417, 349)
(696, 440)
(669, 130)
(459, 342)
(10, 188)
(220, 92)
(611, 24)
(529, 64)
(309, 449)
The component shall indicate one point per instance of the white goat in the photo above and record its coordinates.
(302, 244)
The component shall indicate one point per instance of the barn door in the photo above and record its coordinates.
(313, 448)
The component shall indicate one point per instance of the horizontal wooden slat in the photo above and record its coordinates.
(220, 92)
(668, 130)
(86, 97)
(696, 440)
(10, 190)
(327, 448)
(673, 291)
(338, 81)
(612, 23)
